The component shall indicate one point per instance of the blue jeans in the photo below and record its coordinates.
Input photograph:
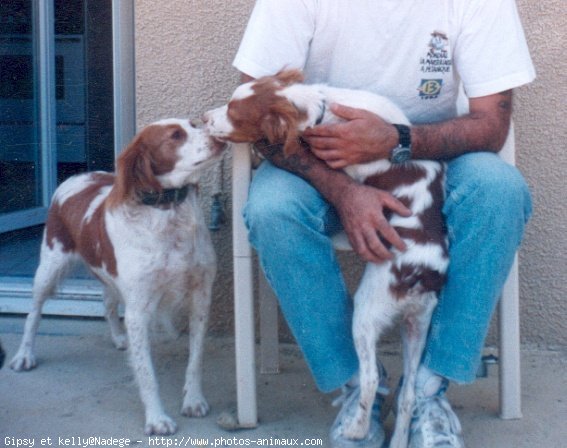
(486, 209)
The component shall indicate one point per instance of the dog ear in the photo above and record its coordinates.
(280, 126)
(291, 145)
(134, 172)
(278, 129)
(289, 76)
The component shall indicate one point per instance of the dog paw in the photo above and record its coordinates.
(120, 341)
(195, 407)
(23, 362)
(160, 425)
(354, 430)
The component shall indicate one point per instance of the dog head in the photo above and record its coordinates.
(271, 107)
(166, 154)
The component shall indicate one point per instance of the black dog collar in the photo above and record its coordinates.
(169, 196)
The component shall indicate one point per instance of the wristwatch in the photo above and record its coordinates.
(402, 152)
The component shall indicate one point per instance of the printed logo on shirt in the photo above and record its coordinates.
(437, 59)
(430, 88)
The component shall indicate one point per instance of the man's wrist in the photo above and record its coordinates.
(402, 152)
(334, 185)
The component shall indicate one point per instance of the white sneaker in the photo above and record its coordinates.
(434, 423)
(349, 402)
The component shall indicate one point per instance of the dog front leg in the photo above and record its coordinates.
(414, 333)
(111, 302)
(194, 402)
(137, 326)
(365, 343)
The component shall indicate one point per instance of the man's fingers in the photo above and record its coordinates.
(335, 158)
(369, 232)
(390, 235)
(376, 247)
(338, 164)
(321, 131)
(358, 244)
(328, 155)
(348, 113)
(367, 243)
(322, 145)
(394, 204)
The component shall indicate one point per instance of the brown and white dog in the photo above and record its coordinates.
(142, 233)
(279, 108)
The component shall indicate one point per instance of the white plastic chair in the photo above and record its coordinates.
(509, 310)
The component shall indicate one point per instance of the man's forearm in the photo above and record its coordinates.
(327, 181)
(484, 128)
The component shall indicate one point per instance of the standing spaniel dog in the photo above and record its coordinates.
(279, 108)
(142, 233)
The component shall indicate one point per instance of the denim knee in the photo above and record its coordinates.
(281, 204)
(486, 209)
(277, 215)
(491, 185)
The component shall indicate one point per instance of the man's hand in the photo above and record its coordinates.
(363, 137)
(361, 210)
(360, 207)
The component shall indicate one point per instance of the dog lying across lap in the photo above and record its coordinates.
(278, 109)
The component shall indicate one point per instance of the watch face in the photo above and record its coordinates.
(400, 154)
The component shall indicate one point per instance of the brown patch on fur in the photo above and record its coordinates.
(433, 225)
(432, 218)
(417, 279)
(66, 224)
(267, 114)
(287, 77)
(152, 152)
(396, 176)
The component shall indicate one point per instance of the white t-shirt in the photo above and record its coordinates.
(415, 52)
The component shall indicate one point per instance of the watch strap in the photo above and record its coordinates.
(404, 135)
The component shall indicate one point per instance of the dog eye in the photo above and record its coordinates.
(176, 135)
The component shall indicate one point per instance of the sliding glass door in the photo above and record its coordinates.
(65, 83)
(25, 184)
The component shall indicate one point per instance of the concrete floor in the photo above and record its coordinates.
(83, 387)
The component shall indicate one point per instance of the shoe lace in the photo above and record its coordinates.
(439, 424)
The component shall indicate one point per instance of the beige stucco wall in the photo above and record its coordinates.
(542, 156)
(183, 54)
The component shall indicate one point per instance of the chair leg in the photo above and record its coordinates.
(269, 353)
(509, 322)
(243, 294)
